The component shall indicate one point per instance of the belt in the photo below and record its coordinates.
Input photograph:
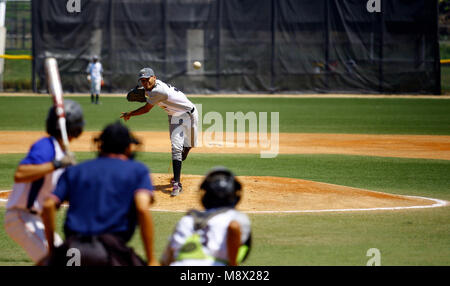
(30, 211)
(192, 110)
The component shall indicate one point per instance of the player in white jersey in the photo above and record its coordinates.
(218, 236)
(183, 119)
(35, 178)
(95, 70)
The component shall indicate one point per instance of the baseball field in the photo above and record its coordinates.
(351, 173)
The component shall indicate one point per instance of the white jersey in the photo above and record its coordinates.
(18, 199)
(212, 238)
(95, 70)
(169, 98)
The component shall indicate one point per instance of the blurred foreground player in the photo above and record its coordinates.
(107, 197)
(36, 177)
(218, 236)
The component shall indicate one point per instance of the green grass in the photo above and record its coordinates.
(17, 75)
(445, 78)
(17, 70)
(309, 115)
(444, 50)
(404, 238)
(445, 68)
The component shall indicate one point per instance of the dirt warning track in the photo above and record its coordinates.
(402, 146)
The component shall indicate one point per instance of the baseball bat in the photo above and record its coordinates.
(55, 89)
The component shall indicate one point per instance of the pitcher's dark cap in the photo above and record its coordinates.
(146, 73)
(115, 139)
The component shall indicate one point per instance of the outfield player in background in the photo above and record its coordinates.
(95, 70)
(218, 236)
(107, 197)
(183, 119)
(35, 178)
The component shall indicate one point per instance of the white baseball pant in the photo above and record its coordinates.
(96, 84)
(27, 230)
(183, 130)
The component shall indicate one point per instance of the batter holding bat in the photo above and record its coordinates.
(183, 117)
(38, 172)
(36, 177)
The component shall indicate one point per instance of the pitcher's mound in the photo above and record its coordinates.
(276, 194)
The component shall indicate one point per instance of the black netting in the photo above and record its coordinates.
(244, 45)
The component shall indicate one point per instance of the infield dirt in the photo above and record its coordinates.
(275, 194)
(402, 146)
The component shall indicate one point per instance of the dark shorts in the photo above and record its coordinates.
(96, 250)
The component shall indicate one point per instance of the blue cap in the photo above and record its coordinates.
(146, 73)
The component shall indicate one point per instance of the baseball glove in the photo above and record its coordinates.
(137, 94)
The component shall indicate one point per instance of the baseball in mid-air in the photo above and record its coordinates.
(197, 65)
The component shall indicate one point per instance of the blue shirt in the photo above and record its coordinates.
(42, 151)
(100, 193)
(31, 194)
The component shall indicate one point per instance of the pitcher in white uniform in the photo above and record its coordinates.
(218, 236)
(35, 178)
(95, 70)
(183, 119)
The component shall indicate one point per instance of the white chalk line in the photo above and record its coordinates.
(437, 203)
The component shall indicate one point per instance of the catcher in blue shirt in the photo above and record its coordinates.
(107, 197)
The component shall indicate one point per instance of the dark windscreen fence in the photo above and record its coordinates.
(259, 46)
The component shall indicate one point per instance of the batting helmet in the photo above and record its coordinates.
(221, 187)
(74, 120)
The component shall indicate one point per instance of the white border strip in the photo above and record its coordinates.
(437, 203)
